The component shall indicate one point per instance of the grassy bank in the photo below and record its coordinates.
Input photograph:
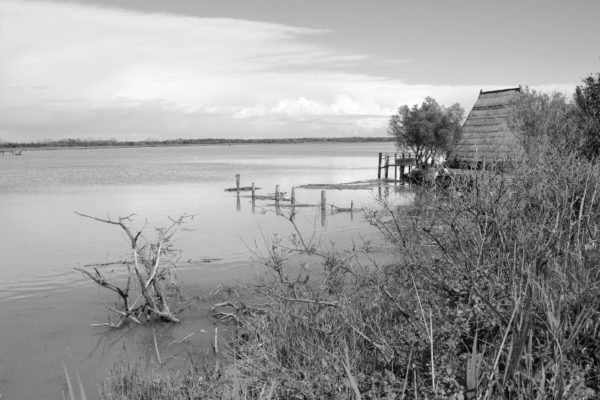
(494, 293)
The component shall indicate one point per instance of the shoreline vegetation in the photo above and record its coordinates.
(493, 293)
(111, 143)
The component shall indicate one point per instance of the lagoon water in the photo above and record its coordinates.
(46, 307)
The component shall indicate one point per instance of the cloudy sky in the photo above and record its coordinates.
(138, 69)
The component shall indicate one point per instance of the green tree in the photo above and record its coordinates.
(542, 118)
(544, 121)
(587, 100)
(428, 130)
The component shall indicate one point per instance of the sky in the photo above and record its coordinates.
(158, 69)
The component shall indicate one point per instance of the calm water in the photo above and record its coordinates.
(46, 307)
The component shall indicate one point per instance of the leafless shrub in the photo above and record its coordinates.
(145, 295)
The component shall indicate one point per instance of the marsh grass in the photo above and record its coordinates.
(494, 293)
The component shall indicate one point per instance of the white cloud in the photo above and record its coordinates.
(65, 64)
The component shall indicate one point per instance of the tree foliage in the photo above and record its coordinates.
(587, 100)
(541, 118)
(551, 118)
(428, 130)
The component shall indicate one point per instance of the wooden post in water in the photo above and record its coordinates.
(253, 198)
(402, 166)
(293, 198)
(395, 167)
(387, 165)
(238, 204)
(277, 209)
(237, 183)
(323, 213)
(379, 167)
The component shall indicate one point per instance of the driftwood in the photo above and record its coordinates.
(299, 205)
(231, 312)
(241, 189)
(271, 197)
(345, 209)
(356, 185)
(148, 268)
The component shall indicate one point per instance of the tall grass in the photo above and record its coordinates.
(494, 293)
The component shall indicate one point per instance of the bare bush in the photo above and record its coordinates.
(144, 297)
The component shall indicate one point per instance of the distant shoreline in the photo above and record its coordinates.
(82, 144)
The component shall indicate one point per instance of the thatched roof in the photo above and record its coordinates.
(486, 134)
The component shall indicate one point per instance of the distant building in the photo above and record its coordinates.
(486, 134)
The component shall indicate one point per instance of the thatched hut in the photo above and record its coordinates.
(486, 134)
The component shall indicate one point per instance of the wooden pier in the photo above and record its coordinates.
(401, 163)
(280, 201)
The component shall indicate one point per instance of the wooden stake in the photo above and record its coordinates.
(237, 183)
(379, 167)
(253, 198)
(277, 194)
(323, 200)
(293, 199)
(387, 165)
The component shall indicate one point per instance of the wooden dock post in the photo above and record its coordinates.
(379, 166)
(323, 212)
(277, 208)
(402, 164)
(293, 198)
(351, 205)
(387, 165)
(253, 198)
(395, 166)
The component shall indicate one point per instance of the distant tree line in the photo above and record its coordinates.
(182, 142)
